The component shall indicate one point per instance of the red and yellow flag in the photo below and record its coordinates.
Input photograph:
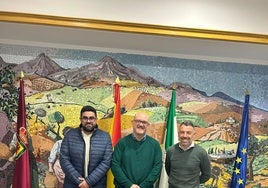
(115, 131)
(22, 174)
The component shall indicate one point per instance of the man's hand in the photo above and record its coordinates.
(83, 183)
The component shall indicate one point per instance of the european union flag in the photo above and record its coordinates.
(240, 165)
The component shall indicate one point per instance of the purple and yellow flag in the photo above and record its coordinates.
(22, 176)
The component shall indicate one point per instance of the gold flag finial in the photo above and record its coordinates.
(21, 74)
(117, 80)
(174, 86)
(246, 92)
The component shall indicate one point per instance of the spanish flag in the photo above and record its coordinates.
(115, 131)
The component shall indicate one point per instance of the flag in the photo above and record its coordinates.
(171, 136)
(115, 129)
(22, 174)
(116, 134)
(240, 165)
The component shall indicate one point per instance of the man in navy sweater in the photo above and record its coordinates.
(86, 153)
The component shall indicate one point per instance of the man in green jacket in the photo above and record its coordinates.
(137, 158)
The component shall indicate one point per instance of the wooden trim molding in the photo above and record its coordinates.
(132, 27)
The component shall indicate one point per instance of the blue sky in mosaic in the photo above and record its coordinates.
(206, 76)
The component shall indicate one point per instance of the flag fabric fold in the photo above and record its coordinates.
(171, 137)
(22, 176)
(115, 132)
(240, 165)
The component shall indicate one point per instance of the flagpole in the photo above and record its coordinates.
(239, 175)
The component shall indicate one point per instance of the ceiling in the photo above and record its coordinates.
(134, 42)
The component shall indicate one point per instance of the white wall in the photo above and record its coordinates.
(249, 16)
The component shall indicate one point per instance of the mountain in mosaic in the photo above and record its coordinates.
(42, 65)
(103, 72)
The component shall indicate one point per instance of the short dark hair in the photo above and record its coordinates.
(187, 123)
(88, 108)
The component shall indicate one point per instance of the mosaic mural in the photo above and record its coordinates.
(58, 84)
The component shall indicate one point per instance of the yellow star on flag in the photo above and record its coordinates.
(240, 181)
(244, 150)
(237, 171)
(238, 160)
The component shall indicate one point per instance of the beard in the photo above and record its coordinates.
(89, 129)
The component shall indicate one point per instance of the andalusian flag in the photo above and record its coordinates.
(116, 128)
(171, 137)
(239, 176)
(22, 176)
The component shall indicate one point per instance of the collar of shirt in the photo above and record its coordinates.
(85, 135)
(134, 138)
(191, 146)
